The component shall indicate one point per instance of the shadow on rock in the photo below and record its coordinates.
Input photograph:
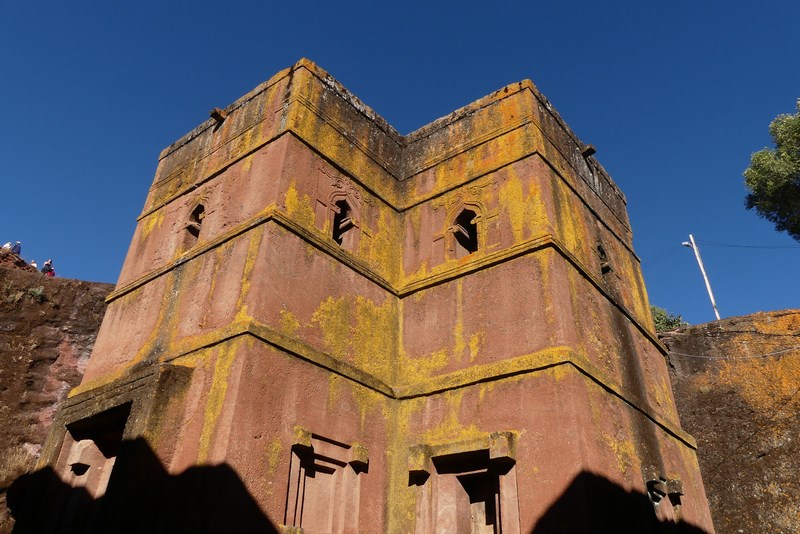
(595, 504)
(141, 497)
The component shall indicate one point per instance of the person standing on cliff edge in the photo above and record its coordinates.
(47, 268)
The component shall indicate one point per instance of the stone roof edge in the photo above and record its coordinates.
(473, 107)
(239, 102)
(417, 135)
(572, 135)
(334, 85)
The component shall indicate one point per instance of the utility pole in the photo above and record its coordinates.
(692, 245)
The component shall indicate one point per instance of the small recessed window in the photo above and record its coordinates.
(342, 221)
(465, 231)
(194, 225)
(605, 265)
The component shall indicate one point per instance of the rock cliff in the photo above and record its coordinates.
(737, 386)
(47, 330)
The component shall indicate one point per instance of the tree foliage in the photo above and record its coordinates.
(666, 321)
(773, 177)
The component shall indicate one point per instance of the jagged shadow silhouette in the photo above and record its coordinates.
(593, 503)
(141, 497)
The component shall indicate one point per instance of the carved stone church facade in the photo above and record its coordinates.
(441, 332)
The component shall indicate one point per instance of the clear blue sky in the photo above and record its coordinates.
(675, 96)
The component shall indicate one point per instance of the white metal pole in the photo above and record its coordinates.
(693, 246)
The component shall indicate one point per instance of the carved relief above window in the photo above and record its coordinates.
(340, 215)
(466, 487)
(466, 224)
(324, 484)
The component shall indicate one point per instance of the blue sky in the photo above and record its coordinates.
(675, 96)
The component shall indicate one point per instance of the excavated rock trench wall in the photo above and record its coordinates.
(737, 386)
(47, 329)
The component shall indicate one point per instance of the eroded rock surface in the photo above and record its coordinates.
(737, 386)
(47, 329)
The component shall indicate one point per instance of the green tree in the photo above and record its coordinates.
(773, 177)
(666, 321)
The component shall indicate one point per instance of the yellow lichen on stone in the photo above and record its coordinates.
(525, 211)
(255, 237)
(335, 387)
(299, 208)
(459, 344)
(475, 342)
(164, 326)
(150, 223)
(614, 435)
(289, 323)
(333, 318)
(374, 338)
(451, 429)
(384, 253)
(402, 514)
(570, 227)
(247, 163)
(222, 365)
(542, 262)
(219, 264)
(357, 330)
(417, 370)
(274, 455)
(561, 372)
(485, 388)
(766, 384)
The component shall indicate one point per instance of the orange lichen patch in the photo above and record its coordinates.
(780, 324)
(766, 384)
